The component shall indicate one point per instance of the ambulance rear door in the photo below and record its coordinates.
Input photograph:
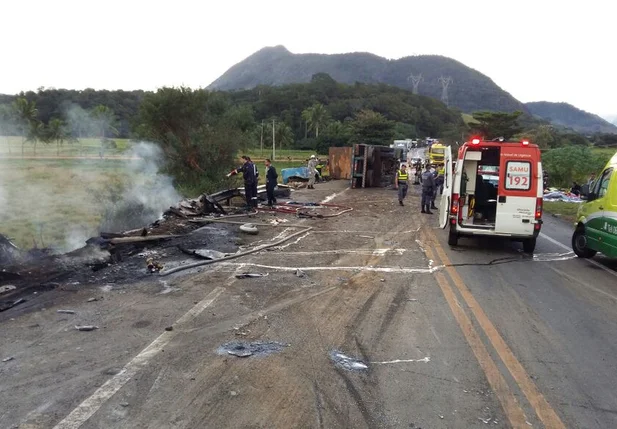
(517, 191)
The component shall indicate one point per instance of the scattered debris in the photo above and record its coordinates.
(382, 280)
(203, 253)
(86, 327)
(249, 228)
(347, 362)
(169, 328)
(124, 404)
(250, 275)
(245, 349)
(300, 273)
(365, 236)
(233, 393)
(65, 311)
(5, 305)
(485, 421)
(7, 288)
(277, 221)
(154, 266)
(92, 299)
(413, 299)
(10, 358)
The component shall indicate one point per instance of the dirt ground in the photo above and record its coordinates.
(365, 289)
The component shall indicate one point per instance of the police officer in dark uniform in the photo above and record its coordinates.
(428, 187)
(271, 176)
(248, 173)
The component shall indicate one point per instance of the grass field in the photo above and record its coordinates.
(562, 209)
(87, 147)
(53, 203)
(606, 151)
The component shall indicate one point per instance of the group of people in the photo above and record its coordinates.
(431, 180)
(250, 174)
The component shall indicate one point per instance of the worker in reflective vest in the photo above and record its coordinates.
(400, 183)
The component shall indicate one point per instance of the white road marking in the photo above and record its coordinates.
(396, 270)
(426, 359)
(591, 261)
(368, 252)
(332, 196)
(87, 408)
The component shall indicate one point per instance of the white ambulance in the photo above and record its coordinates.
(494, 190)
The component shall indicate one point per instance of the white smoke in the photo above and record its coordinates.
(143, 196)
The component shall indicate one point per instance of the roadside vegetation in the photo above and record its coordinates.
(562, 209)
(202, 133)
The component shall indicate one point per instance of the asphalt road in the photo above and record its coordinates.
(445, 337)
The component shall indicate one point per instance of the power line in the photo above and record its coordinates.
(445, 83)
(415, 81)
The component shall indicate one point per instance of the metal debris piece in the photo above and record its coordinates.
(233, 393)
(8, 359)
(124, 404)
(153, 266)
(169, 328)
(209, 254)
(5, 305)
(65, 311)
(246, 349)
(249, 228)
(347, 362)
(300, 273)
(7, 288)
(86, 327)
(250, 275)
(413, 299)
(92, 299)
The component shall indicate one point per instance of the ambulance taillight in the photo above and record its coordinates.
(454, 205)
(538, 208)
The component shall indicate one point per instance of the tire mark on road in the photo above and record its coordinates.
(543, 409)
(91, 405)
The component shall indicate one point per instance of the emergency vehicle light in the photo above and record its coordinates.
(525, 142)
(475, 141)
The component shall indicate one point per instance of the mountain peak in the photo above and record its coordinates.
(469, 90)
(566, 115)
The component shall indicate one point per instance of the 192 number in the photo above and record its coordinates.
(518, 181)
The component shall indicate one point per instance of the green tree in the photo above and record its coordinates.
(372, 128)
(193, 129)
(571, 163)
(7, 124)
(35, 134)
(57, 132)
(491, 125)
(105, 121)
(26, 114)
(315, 117)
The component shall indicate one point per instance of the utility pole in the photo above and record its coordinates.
(273, 143)
(415, 81)
(445, 82)
(262, 138)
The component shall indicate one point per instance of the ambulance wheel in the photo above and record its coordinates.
(579, 244)
(529, 245)
(452, 237)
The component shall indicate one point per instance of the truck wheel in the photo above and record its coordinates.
(529, 245)
(579, 244)
(452, 237)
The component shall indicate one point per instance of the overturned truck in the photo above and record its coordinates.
(374, 166)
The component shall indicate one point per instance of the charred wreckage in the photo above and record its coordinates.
(202, 230)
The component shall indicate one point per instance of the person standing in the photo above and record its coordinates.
(255, 183)
(248, 173)
(428, 185)
(400, 183)
(312, 170)
(271, 176)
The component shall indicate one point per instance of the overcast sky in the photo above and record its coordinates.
(536, 50)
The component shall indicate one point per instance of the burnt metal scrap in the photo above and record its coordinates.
(246, 349)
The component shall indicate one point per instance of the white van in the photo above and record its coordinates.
(495, 190)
